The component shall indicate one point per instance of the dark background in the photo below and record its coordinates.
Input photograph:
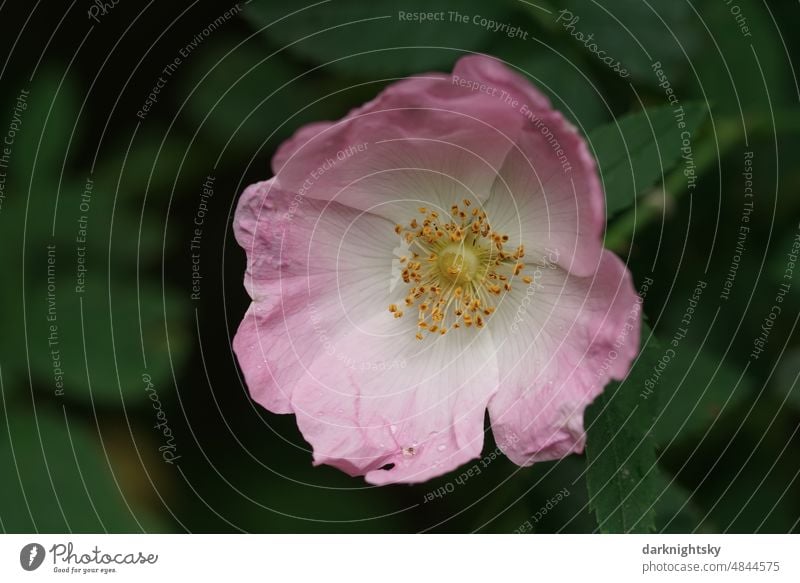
(87, 458)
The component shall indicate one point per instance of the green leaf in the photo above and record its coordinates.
(562, 77)
(56, 478)
(620, 452)
(732, 66)
(637, 150)
(343, 28)
(786, 384)
(633, 32)
(676, 512)
(694, 389)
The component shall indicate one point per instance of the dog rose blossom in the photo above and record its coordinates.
(435, 254)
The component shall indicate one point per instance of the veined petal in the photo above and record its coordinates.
(289, 235)
(557, 350)
(427, 139)
(308, 262)
(394, 409)
(548, 196)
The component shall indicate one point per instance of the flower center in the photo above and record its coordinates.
(457, 269)
(459, 263)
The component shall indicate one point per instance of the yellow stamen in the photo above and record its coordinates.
(464, 268)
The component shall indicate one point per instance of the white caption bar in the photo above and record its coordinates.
(395, 558)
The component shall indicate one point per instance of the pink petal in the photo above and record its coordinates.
(493, 73)
(302, 258)
(286, 235)
(423, 140)
(548, 196)
(557, 354)
(271, 367)
(383, 401)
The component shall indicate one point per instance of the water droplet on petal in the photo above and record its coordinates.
(409, 452)
(442, 447)
(393, 428)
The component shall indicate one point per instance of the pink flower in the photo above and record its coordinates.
(434, 254)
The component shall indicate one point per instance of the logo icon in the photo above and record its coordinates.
(31, 556)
